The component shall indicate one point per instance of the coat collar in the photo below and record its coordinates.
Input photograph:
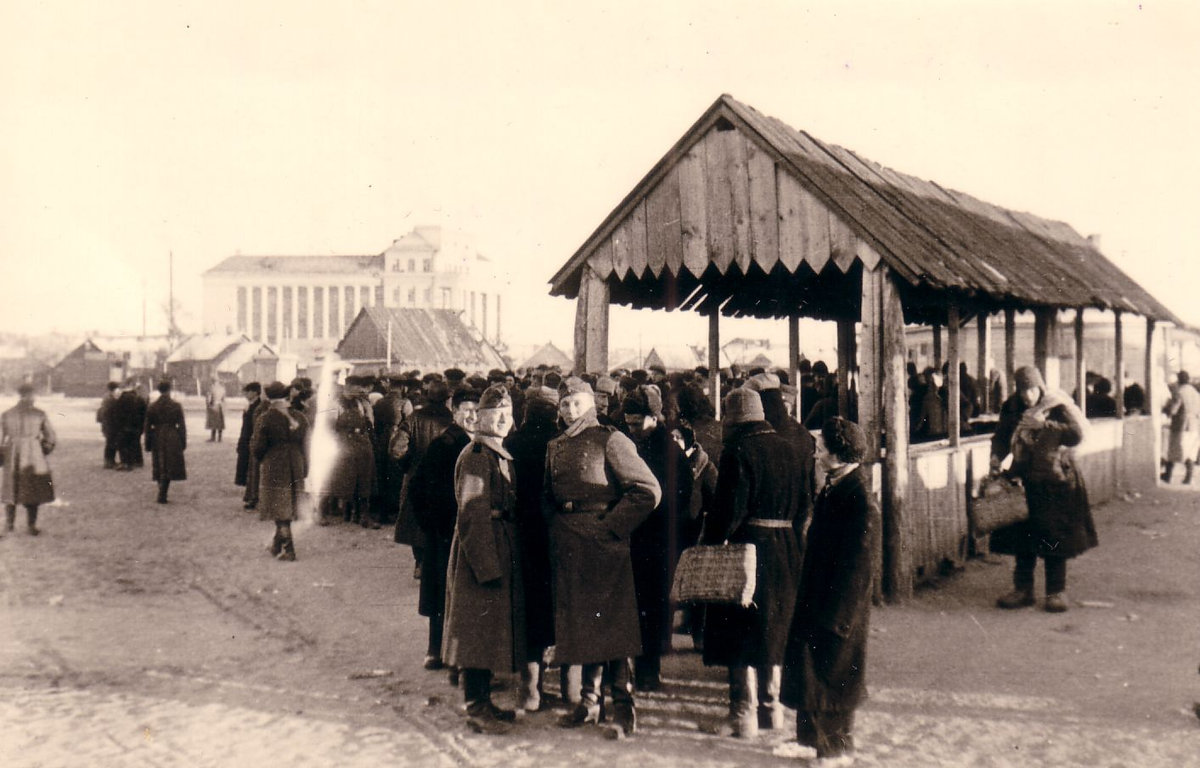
(493, 442)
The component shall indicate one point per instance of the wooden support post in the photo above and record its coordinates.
(1151, 374)
(937, 346)
(983, 356)
(714, 360)
(883, 410)
(1045, 345)
(953, 380)
(591, 324)
(794, 354)
(1119, 364)
(1010, 351)
(847, 357)
(1080, 363)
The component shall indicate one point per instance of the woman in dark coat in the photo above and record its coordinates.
(824, 669)
(528, 448)
(758, 496)
(279, 448)
(1039, 427)
(166, 439)
(436, 510)
(485, 621)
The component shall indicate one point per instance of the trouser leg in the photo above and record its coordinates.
(1023, 573)
(477, 688)
(163, 485)
(570, 680)
(436, 627)
(1166, 473)
(591, 684)
(110, 453)
(620, 672)
(1056, 575)
(287, 550)
(31, 512)
(1187, 475)
(10, 516)
(770, 708)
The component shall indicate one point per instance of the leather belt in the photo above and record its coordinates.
(762, 522)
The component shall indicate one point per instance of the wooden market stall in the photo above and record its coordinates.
(747, 217)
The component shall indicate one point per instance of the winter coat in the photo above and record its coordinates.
(104, 416)
(436, 511)
(597, 491)
(214, 408)
(825, 661)
(279, 447)
(27, 438)
(757, 480)
(242, 471)
(485, 606)
(421, 427)
(656, 543)
(1184, 412)
(930, 422)
(128, 419)
(1060, 518)
(166, 439)
(353, 473)
(528, 448)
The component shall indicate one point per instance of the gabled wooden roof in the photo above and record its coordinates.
(429, 339)
(749, 216)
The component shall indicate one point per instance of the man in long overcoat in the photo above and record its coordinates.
(390, 411)
(242, 472)
(1040, 427)
(485, 622)
(26, 438)
(279, 448)
(597, 491)
(352, 480)
(421, 428)
(105, 420)
(759, 494)
(656, 544)
(436, 510)
(166, 440)
(128, 420)
(528, 448)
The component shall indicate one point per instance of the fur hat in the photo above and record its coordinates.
(844, 439)
(646, 400)
(1028, 377)
(495, 396)
(276, 390)
(544, 394)
(606, 385)
(742, 405)
(760, 382)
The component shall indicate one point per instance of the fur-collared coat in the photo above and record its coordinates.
(485, 600)
(27, 439)
(279, 446)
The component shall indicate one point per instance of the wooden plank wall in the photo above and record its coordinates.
(726, 203)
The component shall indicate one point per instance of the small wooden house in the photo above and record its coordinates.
(387, 338)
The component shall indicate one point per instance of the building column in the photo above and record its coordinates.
(591, 324)
(1080, 363)
(1119, 364)
(953, 379)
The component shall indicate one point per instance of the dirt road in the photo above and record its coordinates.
(134, 634)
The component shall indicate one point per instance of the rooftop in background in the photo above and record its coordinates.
(296, 264)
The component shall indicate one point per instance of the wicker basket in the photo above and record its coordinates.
(722, 573)
(1001, 503)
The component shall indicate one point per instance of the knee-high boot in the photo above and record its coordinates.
(31, 519)
(287, 549)
(10, 517)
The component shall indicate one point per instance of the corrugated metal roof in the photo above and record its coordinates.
(299, 264)
(422, 338)
(934, 238)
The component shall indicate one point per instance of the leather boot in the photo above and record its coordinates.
(287, 550)
(31, 520)
(10, 517)
(590, 708)
(1187, 475)
(624, 721)
(1166, 473)
(1018, 598)
(276, 543)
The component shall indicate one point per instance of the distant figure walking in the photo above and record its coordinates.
(104, 419)
(214, 411)
(166, 439)
(128, 418)
(278, 445)
(27, 439)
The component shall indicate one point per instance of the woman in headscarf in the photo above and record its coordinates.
(1039, 427)
(27, 439)
(824, 666)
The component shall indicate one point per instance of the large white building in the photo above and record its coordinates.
(303, 305)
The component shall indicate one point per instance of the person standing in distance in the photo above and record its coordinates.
(166, 440)
(27, 438)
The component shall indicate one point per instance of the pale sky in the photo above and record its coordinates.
(131, 130)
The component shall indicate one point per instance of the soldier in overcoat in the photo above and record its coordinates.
(758, 497)
(1040, 427)
(166, 440)
(419, 430)
(436, 510)
(26, 438)
(485, 622)
(279, 447)
(597, 491)
(826, 655)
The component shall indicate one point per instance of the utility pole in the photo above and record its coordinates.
(171, 293)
